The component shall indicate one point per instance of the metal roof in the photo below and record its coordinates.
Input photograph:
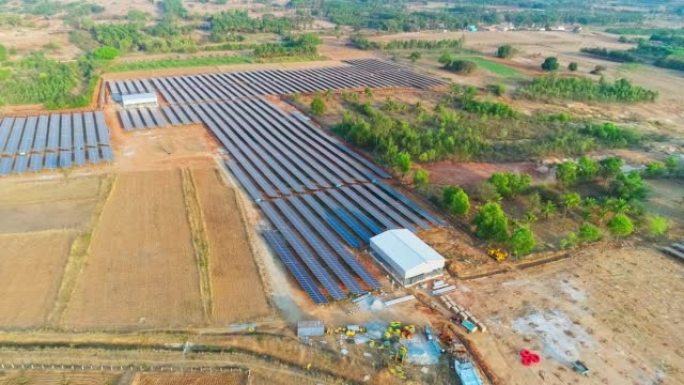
(141, 98)
(407, 253)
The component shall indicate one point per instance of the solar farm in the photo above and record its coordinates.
(53, 141)
(323, 201)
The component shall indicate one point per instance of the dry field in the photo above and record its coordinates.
(618, 310)
(57, 378)
(236, 378)
(236, 287)
(141, 267)
(31, 268)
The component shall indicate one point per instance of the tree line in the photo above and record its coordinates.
(585, 89)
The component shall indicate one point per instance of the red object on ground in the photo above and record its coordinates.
(528, 358)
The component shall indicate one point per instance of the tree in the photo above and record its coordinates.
(105, 53)
(403, 163)
(566, 173)
(456, 200)
(620, 225)
(655, 169)
(548, 209)
(629, 186)
(421, 178)
(550, 64)
(657, 226)
(464, 67)
(587, 168)
(415, 56)
(445, 59)
(491, 222)
(610, 167)
(569, 241)
(571, 200)
(504, 51)
(589, 233)
(672, 165)
(573, 66)
(522, 241)
(317, 106)
(510, 184)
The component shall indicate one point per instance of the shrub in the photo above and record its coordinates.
(456, 200)
(550, 64)
(510, 184)
(105, 53)
(522, 241)
(504, 51)
(620, 225)
(657, 226)
(317, 106)
(589, 233)
(491, 222)
(463, 67)
(573, 66)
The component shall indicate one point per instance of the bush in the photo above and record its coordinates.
(510, 184)
(421, 178)
(463, 67)
(586, 89)
(105, 53)
(456, 200)
(504, 51)
(657, 226)
(317, 106)
(589, 233)
(497, 89)
(522, 241)
(3, 53)
(573, 66)
(620, 225)
(550, 64)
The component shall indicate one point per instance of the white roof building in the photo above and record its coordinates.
(139, 100)
(406, 257)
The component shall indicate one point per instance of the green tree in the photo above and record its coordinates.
(566, 173)
(504, 51)
(522, 241)
(589, 233)
(629, 186)
(105, 53)
(569, 241)
(317, 106)
(572, 66)
(672, 165)
(415, 56)
(491, 222)
(655, 169)
(421, 178)
(571, 200)
(456, 200)
(548, 209)
(610, 167)
(403, 163)
(550, 64)
(587, 168)
(657, 226)
(620, 225)
(510, 184)
(445, 59)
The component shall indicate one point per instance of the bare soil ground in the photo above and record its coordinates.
(615, 309)
(190, 379)
(141, 267)
(57, 378)
(474, 173)
(31, 269)
(236, 287)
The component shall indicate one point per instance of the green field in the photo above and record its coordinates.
(177, 63)
(493, 67)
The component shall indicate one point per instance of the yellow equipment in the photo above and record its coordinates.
(497, 253)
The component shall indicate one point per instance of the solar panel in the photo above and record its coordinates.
(330, 219)
(170, 116)
(181, 115)
(21, 163)
(401, 198)
(5, 130)
(79, 140)
(297, 270)
(65, 141)
(36, 162)
(406, 211)
(244, 180)
(94, 124)
(53, 133)
(159, 120)
(333, 243)
(323, 277)
(341, 213)
(134, 115)
(15, 136)
(381, 207)
(6, 165)
(148, 121)
(355, 211)
(319, 247)
(102, 129)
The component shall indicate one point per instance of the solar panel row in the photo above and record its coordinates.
(238, 85)
(141, 118)
(125, 87)
(51, 141)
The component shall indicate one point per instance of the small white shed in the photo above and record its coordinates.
(139, 100)
(307, 329)
(406, 257)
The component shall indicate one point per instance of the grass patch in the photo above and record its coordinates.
(494, 67)
(178, 63)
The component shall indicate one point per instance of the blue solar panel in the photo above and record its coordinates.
(319, 247)
(159, 120)
(148, 121)
(65, 141)
(6, 165)
(102, 129)
(341, 213)
(333, 243)
(355, 211)
(323, 277)
(305, 280)
(408, 212)
(244, 180)
(181, 115)
(171, 116)
(53, 133)
(94, 124)
(5, 130)
(79, 140)
(403, 199)
(381, 207)
(330, 219)
(15, 136)
(135, 119)
(21, 163)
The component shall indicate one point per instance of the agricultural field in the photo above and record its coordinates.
(56, 378)
(190, 379)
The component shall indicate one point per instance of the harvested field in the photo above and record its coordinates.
(36, 205)
(615, 309)
(58, 378)
(31, 268)
(141, 268)
(232, 269)
(236, 378)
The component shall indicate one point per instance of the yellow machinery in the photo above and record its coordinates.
(497, 253)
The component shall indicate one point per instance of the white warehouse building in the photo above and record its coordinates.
(406, 257)
(139, 100)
